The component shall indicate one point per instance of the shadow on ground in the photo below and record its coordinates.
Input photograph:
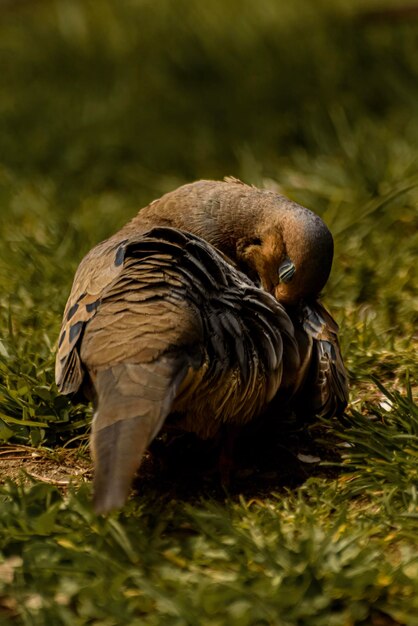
(261, 458)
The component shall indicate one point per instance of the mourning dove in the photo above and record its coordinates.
(159, 321)
(167, 325)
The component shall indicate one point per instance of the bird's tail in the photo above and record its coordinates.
(133, 402)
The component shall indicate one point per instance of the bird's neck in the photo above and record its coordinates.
(225, 224)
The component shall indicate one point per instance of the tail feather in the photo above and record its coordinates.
(117, 452)
(133, 402)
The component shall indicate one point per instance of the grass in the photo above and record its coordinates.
(101, 110)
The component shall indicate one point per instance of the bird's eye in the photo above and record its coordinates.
(286, 271)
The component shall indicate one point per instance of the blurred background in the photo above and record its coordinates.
(134, 96)
(106, 105)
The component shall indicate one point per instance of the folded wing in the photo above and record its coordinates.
(325, 390)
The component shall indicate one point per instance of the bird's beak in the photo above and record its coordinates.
(286, 271)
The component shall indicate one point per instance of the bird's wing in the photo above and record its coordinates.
(96, 272)
(249, 334)
(325, 391)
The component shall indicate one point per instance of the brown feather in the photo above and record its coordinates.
(325, 389)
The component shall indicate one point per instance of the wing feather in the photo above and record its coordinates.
(325, 391)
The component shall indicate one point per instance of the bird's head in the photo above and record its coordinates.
(290, 250)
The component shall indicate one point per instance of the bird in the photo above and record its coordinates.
(259, 238)
(159, 322)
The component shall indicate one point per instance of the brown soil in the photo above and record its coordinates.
(58, 467)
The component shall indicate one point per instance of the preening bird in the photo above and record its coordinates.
(204, 304)
(161, 323)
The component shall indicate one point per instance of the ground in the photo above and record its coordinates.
(59, 468)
